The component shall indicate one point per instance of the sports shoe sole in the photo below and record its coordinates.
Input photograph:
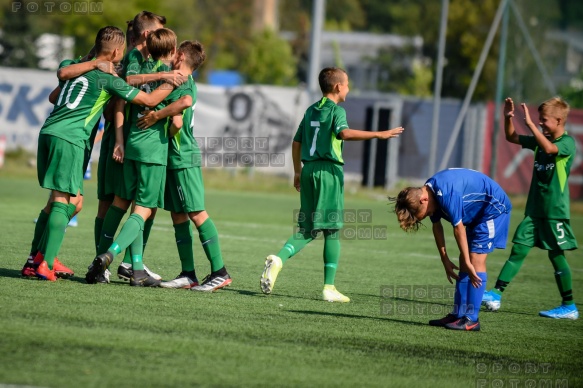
(265, 282)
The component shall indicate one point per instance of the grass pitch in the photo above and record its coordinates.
(70, 334)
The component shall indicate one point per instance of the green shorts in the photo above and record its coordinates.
(144, 183)
(59, 165)
(184, 190)
(321, 196)
(105, 177)
(546, 234)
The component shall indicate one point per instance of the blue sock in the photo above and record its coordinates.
(460, 296)
(475, 297)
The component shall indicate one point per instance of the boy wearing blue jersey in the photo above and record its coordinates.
(318, 146)
(479, 211)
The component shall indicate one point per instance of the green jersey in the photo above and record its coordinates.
(548, 196)
(151, 145)
(183, 150)
(133, 63)
(80, 104)
(318, 132)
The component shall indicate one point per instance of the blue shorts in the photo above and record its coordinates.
(489, 235)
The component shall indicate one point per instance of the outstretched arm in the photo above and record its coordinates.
(77, 69)
(440, 243)
(152, 99)
(355, 134)
(174, 77)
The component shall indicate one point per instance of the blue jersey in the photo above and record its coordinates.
(467, 196)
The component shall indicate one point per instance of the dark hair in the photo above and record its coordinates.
(194, 54)
(108, 39)
(146, 20)
(406, 207)
(329, 77)
(130, 37)
(161, 42)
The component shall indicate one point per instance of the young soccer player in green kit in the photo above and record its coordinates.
(63, 137)
(184, 193)
(68, 69)
(136, 61)
(547, 216)
(145, 161)
(318, 146)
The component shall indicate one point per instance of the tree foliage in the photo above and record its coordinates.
(224, 28)
(269, 60)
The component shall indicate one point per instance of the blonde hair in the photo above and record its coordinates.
(556, 107)
(161, 43)
(407, 205)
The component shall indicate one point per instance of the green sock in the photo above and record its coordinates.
(71, 210)
(111, 222)
(511, 267)
(97, 231)
(183, 235)
(133, 227)
(147, 229)
(39, 229)
(293, 245)
(57, 224)
(137, 250)
(562, 276)
(209, 237)
(331, 255)
(42, 245)
(127, 256)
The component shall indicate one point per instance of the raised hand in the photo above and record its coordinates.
(508, 107)
(527, 119)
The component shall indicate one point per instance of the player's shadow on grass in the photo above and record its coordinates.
(10, 273)
(243, 292)
(308, 312)
(429, 302)
(259, 293)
